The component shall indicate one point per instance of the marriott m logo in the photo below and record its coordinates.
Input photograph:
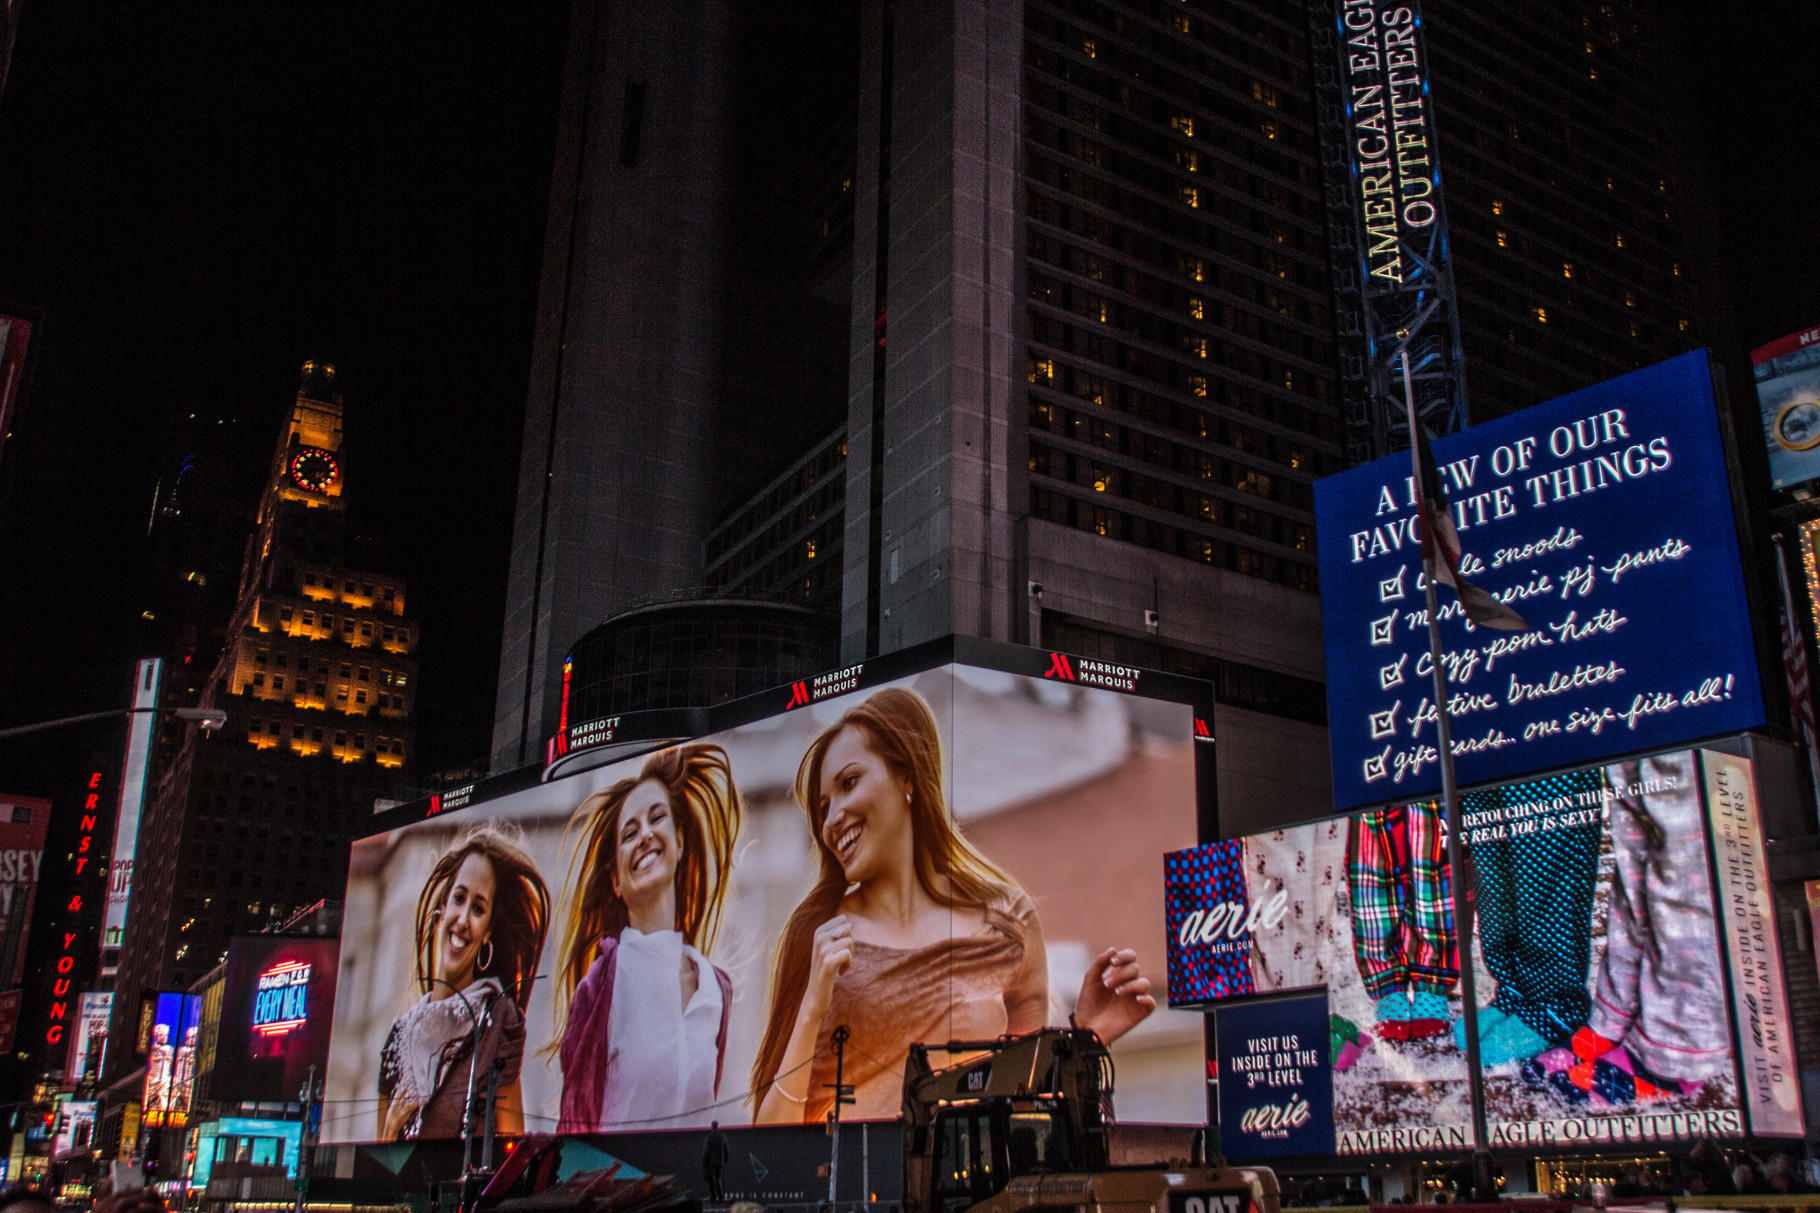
(1059, 667)
(799, 696)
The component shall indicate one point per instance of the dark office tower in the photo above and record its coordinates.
(248, 824)
(682, 352)
(1092, 379)
(1569, 195)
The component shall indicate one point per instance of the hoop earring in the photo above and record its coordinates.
(481, 966)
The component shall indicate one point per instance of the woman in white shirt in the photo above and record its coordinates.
(644, 1038)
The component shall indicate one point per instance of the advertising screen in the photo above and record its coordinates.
(275, 1010)
(1788, 394)
(170, 1060)
(1603, 928)
(75, 1129)
(1605, 519)
(914, 851)
(242, 1143)
(23, 822)
(89, 1039)
(1276, 1077)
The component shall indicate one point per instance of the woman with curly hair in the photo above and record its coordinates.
(910, 934)
(644, 1037)
(481, 920)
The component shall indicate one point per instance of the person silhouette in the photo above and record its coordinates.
(713, 1159)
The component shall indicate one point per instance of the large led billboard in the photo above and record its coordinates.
(1788, 394)
(951, 843)
(1611, 905)
(275, 1007)
(23, 822)
(170, 1059)
(1604, 518)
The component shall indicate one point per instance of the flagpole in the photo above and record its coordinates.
(1450, 795)
(1795, 641)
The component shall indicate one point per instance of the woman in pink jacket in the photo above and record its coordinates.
(644, 1039)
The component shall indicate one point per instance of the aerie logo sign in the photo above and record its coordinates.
(1230, 919)
(1275, 1120)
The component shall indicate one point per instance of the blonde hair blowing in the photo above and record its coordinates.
(699, 782)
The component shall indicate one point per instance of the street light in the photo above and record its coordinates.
(209, 718)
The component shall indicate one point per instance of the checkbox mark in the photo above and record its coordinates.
(1384, 630)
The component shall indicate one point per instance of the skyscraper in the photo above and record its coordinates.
(1092, 364)
(246, 825)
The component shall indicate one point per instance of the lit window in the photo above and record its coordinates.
(1264, 92)
(1191, 195)
(1681, 324)
(1269, 129)
(1195, 269)
(1497, 207)
(1184, 124)
(1540, 313)
(809, 550)
(1197, 309)
(1567, 269)
(400, 680)
(1619, 237)
(1630, 299)
(1197, 384)
(1090, 48)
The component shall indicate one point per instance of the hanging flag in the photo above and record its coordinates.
(1441, 546)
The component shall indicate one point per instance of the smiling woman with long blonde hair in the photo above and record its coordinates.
(910, 934)
(643, 1033)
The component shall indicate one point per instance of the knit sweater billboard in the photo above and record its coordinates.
(1626, 960)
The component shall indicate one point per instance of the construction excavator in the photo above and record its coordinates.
(1025, 1123)
(1007, 1125)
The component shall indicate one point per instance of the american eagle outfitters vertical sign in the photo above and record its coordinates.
(1395, 178)
(1765, 1044)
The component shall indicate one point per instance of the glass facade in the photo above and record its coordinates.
(694, 654)
(784, 542)
(1180, 364)
(1571, 243)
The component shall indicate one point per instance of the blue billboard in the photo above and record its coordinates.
(1276, 1077)
(1604, 517)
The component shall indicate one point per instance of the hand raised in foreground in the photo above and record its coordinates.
(1115, 996)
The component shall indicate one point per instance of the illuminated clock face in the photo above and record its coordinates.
(314, 469)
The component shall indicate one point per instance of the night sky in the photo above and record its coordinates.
(197, 198)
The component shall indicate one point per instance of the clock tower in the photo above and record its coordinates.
(319, 681)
